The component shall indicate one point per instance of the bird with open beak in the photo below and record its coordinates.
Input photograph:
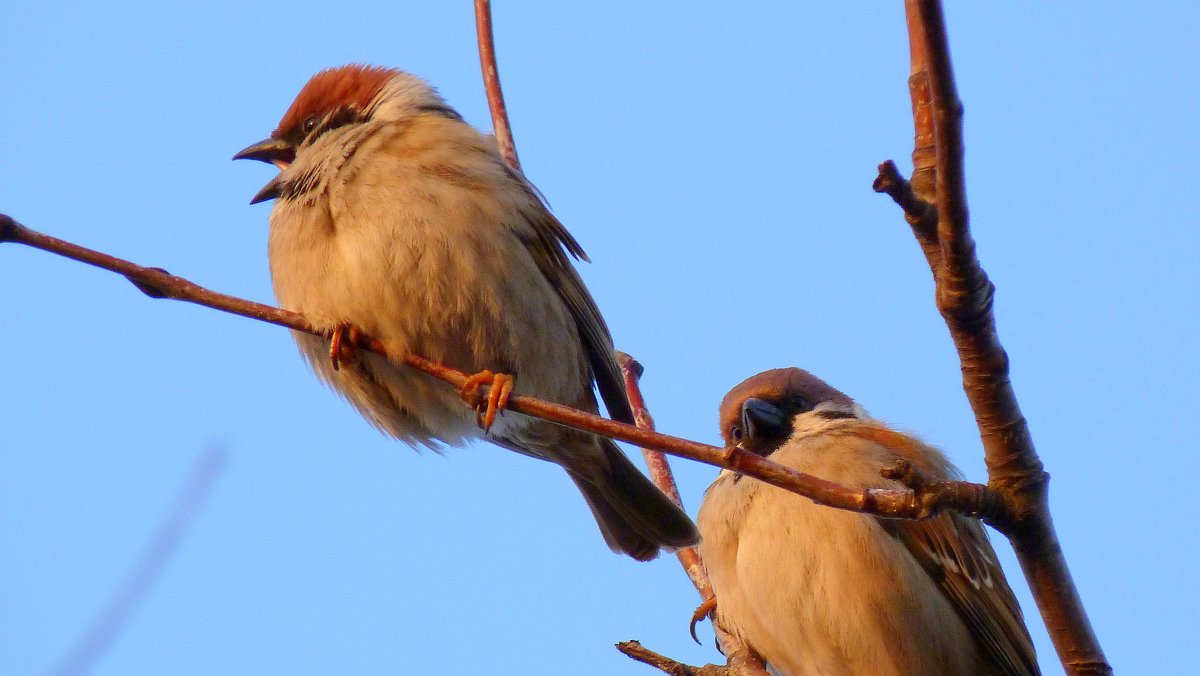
(817, 590)
(395, 218)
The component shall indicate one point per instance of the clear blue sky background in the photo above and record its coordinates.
(716, 163)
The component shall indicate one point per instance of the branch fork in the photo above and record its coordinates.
(935, 207)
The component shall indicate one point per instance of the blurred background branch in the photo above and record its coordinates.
(151, 563)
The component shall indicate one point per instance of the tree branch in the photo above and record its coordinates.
(491, 83)
(158, 552)
(921, 215)
(667, 665)
(964, 297)
(158, 283)
(660, 469)
(738, 655)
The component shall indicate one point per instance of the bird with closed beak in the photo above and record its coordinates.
(817, 590)
(396, 219)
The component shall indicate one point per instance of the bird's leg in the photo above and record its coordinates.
(343, 345)
(705, 609)
(499, 387)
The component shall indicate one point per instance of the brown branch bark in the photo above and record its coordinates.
(901, 504)
(738, 655)
(964, 297)
(491, 83)
(667, 665)
(921, 215)
(660, 469)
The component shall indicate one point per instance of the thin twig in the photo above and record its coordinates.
(921, 215)
(92, 645)
(660, 469)
(965, 299)
(667, 665)
(158, 283)
(491, 83)
(737, 653)
(656, 462)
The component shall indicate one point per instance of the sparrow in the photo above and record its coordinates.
(818, 590)
(395, 218)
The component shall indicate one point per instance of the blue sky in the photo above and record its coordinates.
(716, 163)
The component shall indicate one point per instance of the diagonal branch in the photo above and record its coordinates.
(151, 564)
(739, 655)
(964, 297)
(740, 658)
(900, 504)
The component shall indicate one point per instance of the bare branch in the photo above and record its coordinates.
(91, 646)
(964, 297)
(921, 215)
(491, 83)
(667, 665)
(934, 497)
(158, 283)
(660, 469)
(735, 649)
(656, 462)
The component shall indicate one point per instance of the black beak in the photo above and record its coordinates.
(269, 191)
(271, 150)
(761, 419)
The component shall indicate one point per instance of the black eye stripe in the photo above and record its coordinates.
(339, 117)
(835, 414)
(440, 109)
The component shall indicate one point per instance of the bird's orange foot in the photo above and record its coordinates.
(702, 611)
(499, 387)
(343, 345)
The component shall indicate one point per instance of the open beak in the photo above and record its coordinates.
(269, 191)
(271, 150)
(761, 419)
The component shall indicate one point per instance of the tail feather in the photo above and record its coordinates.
(634, 516)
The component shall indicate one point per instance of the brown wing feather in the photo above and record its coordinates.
(954, 550)
(549, 248)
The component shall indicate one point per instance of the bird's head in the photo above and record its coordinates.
(338, 97)
(757, 414)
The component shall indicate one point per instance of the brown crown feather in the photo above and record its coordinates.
(354, 85)
(776, 386)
